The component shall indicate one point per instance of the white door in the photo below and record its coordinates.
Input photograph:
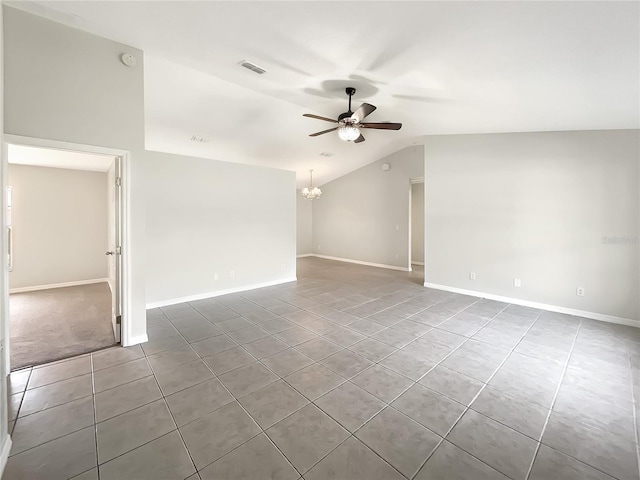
(114, 252)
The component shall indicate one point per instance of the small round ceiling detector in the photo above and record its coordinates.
(128, 59)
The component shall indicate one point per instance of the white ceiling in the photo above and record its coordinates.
(44, 157)
(437, 67)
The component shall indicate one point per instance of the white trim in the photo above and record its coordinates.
(542, 306)
(4, 453)
(417, 180)
(305, 255)
(417, 263)
(135, 340)
(127, 294)
(58, 285)
(368, 264)
(217, 293)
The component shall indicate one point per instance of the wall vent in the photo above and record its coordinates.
(253, 67)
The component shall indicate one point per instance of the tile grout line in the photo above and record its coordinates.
(553, 401)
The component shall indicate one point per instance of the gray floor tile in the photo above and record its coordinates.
(431, 352)
(413, 328)
(51, 461)
(272, 403)
(394, 338)
(314, 381)
(265, 347)
(58, 393)
(451, 463)
(295, 336)
(257, 459)
(178, 378)
(248, 334)
(318, 348)
(199, 332)
(88, 475)
(402, 442)
(17, 381)
(608, 453)
(372, 350)
(203, 439)
(228, 360)
(51, 423)
(407, 365)
(126, 397)
(382, 382)
(346, 363)
(350, 405)
(476, 359)
(234, 324)
(59, 371)
(125, 432)
(431, 409)
(278, 325)
(115, 356)
(550, 463)
(197, 401)
(441, 337)
(454, 385)
(511, 410)
(353, 461)
(157, 345)
(307, 436)
(502, 448)
(250, 378)
(120, 374)
(286, 362)
(15, 401)
(172, 358)
(343, 336)
(366, 327)
(213, 345)
(163, 458)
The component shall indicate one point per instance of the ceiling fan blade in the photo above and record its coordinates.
(323, 132)
(359, 139)
(364, 110)
(310, 115)
(382, 126)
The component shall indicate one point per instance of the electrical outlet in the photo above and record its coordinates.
(472, 275)
(517, 283)
(232, 273)
(216, 276)
(580, 291)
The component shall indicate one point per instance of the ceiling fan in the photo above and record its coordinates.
(350, 123)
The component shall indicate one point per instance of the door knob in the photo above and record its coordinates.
(110, 253)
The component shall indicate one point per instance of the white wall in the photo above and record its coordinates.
(206, 217)
(364, 215)
(59, 222)
(417, 222)
(304, 232)
(67, 85)
(536, 206)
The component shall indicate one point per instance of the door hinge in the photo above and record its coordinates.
(119, 182)
(118, 250)
(119, 320)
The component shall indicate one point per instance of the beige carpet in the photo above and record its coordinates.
(49, 325)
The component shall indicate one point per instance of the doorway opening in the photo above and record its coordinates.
(416, 226)
(65, 234)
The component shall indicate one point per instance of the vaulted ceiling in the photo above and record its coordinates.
(437, 67)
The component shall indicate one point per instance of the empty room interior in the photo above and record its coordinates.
(318, 240)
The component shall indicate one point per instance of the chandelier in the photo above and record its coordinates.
(311, 192)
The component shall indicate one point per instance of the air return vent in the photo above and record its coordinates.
(197, 139)
(253, 67)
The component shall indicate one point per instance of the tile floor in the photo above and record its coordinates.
(350, 373)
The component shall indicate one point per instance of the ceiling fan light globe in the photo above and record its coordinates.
(348, 133)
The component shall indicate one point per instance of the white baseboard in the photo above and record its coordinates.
(136, 340)
(542, 306)
(58, 285)
(217, 293)
(358, 262)
(417, 263)
(4, 453)
(305, 255)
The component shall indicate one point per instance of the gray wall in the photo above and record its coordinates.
(536, 206)
(67, 85)
(59, 220)
(206, 217)
(417, 223)
(364, 215)
(304, 231)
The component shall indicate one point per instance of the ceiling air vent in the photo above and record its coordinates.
(197, 139)
(326, 154)
(253, 67)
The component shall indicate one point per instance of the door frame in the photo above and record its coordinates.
(125, 209)
(412, 182)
